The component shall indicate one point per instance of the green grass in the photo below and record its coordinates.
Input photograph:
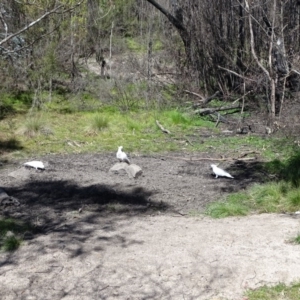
(97, 122)
(11, 243)
(136, 131)
(296, 240)
(99, 127)
(17, 228)
(278, 196)
(12, 103)
(108, 127)
(32, 126)
(135, 45)
(273, 197)
(234, 205)
(278, 292)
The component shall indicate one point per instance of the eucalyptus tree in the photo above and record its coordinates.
(33, 36)
(239, 46)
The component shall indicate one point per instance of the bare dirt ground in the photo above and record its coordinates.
(100, 235)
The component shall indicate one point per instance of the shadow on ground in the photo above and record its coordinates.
(247, 174)
(73, 213)
(47, 205)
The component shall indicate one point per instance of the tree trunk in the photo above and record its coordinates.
(177, 23)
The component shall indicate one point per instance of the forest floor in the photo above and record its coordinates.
(101, 235)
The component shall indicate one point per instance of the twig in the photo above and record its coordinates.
(162, 128)
(54, 10)
(295, 71)
(4, 24)
(241, 98)
(218, 120)
(236, 74)
(30, 25)
(104, 288)
(195, 94)
(208, 99)
(252, 46)
(248, 152)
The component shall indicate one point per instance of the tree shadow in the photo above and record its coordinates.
(246, 174)
(74, 214)
(47, 203)
(84, 242)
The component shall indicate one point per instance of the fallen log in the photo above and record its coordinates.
(210, 110)
(219, 118)
(208, 99)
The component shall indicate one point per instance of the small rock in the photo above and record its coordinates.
(10, 201)
(7, 200)
(132, 170)
(118, 168)
(27, 235)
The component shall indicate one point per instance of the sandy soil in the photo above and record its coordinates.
(100, 235)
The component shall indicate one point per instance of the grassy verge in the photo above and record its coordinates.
(95, 132)
(107, 128)
(278, 292)
(280, 196)
(273, 197)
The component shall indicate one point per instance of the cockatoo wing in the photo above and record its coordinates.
(122, 156)
(219, 172)
(35, 164)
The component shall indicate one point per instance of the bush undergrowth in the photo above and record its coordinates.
(10, 233)
(97, 122)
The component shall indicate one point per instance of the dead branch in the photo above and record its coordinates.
(165, 73)
(247, 153)
(219, 119)
(207, 111)
(54, 10)
(162, 128)
(31, 24)
(4, 24)
(236, 74)
(241, 98)
(252, 46)
(208, 99)
(295, 71)
(195, 94)
(213, 159)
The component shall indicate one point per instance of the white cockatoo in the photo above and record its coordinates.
(35, 164)
(220, 172)
(122, 156)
